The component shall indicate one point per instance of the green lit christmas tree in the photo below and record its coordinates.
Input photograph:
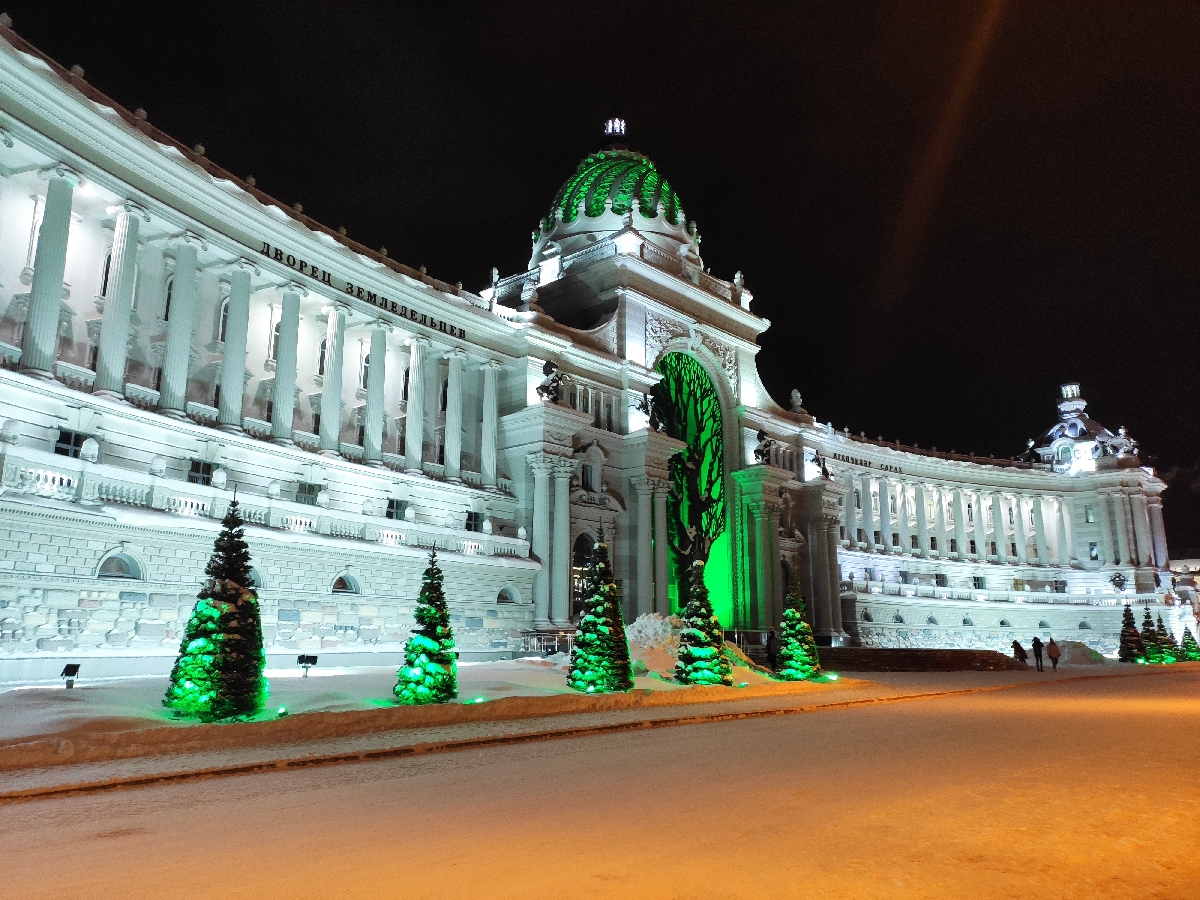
(430, 670)
(1150, 639)
(1166, 642)
(702, 657)
(1189, 650)
(218, 674)
(1131, 650)
(600, 655)
(797, 651)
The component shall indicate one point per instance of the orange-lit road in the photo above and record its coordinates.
(1082, 789)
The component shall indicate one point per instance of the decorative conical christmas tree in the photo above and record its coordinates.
(600, 654)
(1166, 642)
(702, 657)
(1189, 650)
(797, 650)
(218, 674)
(1150, 639)
(430, 670)
(1132, 650)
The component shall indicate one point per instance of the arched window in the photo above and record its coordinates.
(321, 356)
(256, 581)
(1004, 623)
(967, 621)
(1043, 624)
(506, 596)
(104, 273)
(581, 553)
(344, 584)
(223, 323)
(167, 302)
(1085, 625)
(273, 350)
(866, 616)
(897, 619)
(931, 621)
(119, 565)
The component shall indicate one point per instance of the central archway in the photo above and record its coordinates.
(688, 405)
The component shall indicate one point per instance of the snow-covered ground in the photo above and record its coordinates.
(1069, 788)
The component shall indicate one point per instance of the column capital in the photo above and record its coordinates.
(63, 171)
(541, 463)
(130, 208)
(337, 306)
(417, 340)
(493, 364)
(295, 287)
(642, 484)
(187, 237)
(456, 353)
(565, 466)
(380, 325)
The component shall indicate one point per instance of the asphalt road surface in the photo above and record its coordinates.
(1076, 789)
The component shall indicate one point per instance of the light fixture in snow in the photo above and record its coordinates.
(70, 672)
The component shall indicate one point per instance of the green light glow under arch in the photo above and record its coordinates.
(689, 407)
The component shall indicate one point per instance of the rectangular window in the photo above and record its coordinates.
(857, 499)
(1060, 586)
(157, 379)
(862, 536)
(895, 539)
(979, 582)
(970, 513)
(270, 411)
(992, 548)
(361, 437)
(916, 544)
(904, 577)
(972, 549)
(1010, 515)
(933, 543)
(396, 508)
(1093, 550)
(1012, 548)
(878, 538)
(474, 521)
(1018, 584)
(1089, 515)
(93, 356)
(841, 532)
(69, 443)
(953, 545)
(200, 473)
(217, 396)
(316, 423)
(941, 579)
(306, 493)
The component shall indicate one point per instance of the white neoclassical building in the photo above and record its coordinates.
(172, 337)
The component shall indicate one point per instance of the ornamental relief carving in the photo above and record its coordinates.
(659, 333)
(726, 357)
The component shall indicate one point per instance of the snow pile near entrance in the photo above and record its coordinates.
(1075, 653)
(654, 643)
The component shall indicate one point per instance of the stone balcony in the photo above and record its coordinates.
(934, 592)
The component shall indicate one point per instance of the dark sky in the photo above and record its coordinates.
(945, 208)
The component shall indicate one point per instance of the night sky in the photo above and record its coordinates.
(946, 209)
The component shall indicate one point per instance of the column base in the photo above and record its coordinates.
(283, 441)
(542, 625)
(332, 454)
(453, 479)
(43, 374)
(177, 414)
(230, 429)
(111, 395)
(373, 463)
(414, 471)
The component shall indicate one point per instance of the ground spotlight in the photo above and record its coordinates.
(306, 662)
(70, 672)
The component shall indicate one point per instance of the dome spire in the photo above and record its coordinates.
(614, 134)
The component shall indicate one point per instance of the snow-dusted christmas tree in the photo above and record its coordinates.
(1132, 649)
(1166, 642)
(702, 658)
(218, 674)
(797, 648)
(430, 670)
(1189, 650)
(1154, 652)
(600, 654)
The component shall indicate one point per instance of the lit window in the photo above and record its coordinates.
(1089, 515)
(200, 472)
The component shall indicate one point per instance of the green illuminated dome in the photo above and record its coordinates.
(612, 190)
(621, 177)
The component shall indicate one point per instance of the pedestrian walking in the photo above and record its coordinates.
(772, 650)
(1019, 652)
(1054, 652)
(1037, 653)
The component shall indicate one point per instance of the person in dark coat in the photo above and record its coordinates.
(1054, 652)
(1019, 652)
(772, 650)
(1037, 653)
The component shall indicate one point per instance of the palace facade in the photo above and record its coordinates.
(172, 337)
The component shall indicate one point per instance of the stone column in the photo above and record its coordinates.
(542, 465)
(774, 596)
(960, 523)
(885, 515)
(835, 580)
(1141, 529)
(760, 593)
(999, 532)
(453, 455)
(491, 417)
(1158, 533)
(851, 513)
(284, 399)
(939, 521)
(49, 266)
(818, 549)
(233, 365)
(560, 552)
(1020, 530)
(1066, 552)
(114, 330)
(172, 400)
(980, 527)
(331, 381)
(902, 518)
(414, 420)
(662, 597)
(922, 520)
(644, 563)
(1039, 531)
(868, 517)
(1108, 554)
(1124, 551)
(376, 378)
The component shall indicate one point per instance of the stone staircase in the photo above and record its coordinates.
(862, 659)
